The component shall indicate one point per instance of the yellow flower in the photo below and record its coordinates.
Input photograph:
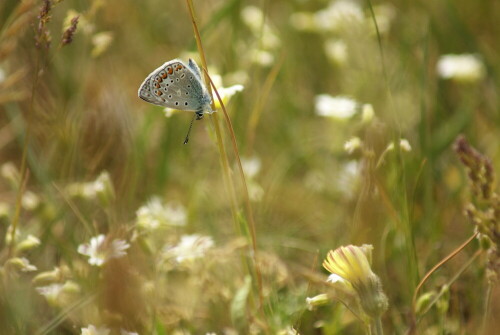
(352, 274)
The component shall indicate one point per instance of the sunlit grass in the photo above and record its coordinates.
(339, 136)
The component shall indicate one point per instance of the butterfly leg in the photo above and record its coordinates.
(199, 115)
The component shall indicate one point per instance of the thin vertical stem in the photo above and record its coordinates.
(215, 122)
(245, 192)
(223, 156)
(377, 326)
(487, 308)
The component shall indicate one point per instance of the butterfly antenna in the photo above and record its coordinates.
(189, 130)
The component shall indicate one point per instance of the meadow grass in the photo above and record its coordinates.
(345, 185)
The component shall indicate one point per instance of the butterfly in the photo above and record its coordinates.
(178, 86)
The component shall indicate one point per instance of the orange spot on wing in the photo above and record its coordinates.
(164, 75)
(169, 70)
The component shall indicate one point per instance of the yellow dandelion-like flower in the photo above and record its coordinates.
(351, 266)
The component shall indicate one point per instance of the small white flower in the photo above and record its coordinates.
(30, 201)
(58, 294)
(403, 144)
(101, 188)
(262, 57)
(251, 166)
(51, 292)
(226, 93)
(352, 145)
(336, 50)
(101, 42)
(338, 15)
(99, 252)
(190, 248)
(348, 179)
(334, 278)
(20, 264)
(320, 299)
(367, 113)
(10, 172)
(253, 17)
(335, 107)
(92, 330)
(155, 214)
(28, 243)
(462, 68)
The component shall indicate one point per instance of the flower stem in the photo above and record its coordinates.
(487, 309)
(250, 226)
(377, 327)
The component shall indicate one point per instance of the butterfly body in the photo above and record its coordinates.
(178, 86)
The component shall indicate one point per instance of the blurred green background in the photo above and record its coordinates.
(77, 106)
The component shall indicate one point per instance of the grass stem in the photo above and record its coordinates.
(224, 160)
(413, 320)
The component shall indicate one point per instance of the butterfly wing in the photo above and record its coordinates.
(146, 94)
(175, 85)
(194, 67)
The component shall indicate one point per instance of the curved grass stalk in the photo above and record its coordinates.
(245, 189)
(224, 159)
(413, 321)
(452, 280)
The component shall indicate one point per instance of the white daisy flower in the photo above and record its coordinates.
(100, 251)
(155, 214)
(51, 292)
(352, 145)
(190, 248)
(339, 107)
(462, 68)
